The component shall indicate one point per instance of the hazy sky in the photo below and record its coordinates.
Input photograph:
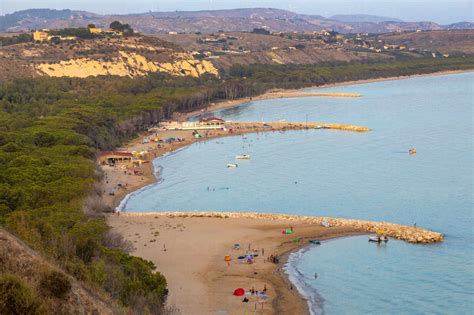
(442, 11)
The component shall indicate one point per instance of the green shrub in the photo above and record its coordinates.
(56, 283)
(17, 298)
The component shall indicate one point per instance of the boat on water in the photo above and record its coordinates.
(315, 242)
(243, 157)
(232, 165)
(378, 239)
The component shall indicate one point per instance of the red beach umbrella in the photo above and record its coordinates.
(239, 292)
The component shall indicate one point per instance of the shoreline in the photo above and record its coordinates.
(151, 177)
(168, 238)
(279, 93)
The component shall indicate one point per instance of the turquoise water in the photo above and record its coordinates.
(357, 175)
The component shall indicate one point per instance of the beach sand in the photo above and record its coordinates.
(199, 279)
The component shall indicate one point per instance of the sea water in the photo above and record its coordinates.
(366, 176)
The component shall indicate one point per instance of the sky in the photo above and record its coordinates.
(441, 11)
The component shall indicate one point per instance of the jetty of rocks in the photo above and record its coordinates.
(409, 234)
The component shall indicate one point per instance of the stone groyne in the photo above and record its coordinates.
(311, 94)
(283, 125)
(409, 234)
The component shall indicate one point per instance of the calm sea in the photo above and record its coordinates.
(356, 175)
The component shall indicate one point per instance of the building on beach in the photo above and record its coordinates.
(113, 157)
(212, 121)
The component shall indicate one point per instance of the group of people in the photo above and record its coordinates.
(256, 292)
(274, 259)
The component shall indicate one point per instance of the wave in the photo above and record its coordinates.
(298, 279)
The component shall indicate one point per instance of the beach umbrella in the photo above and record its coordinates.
(239, 292)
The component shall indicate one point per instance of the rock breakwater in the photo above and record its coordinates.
(409, 234)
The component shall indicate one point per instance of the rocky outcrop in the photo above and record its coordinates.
(402, 232)
(127, 64)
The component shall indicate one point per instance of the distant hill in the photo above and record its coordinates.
(209, 21)
(346, 18)
(40, 18)
(460, 26)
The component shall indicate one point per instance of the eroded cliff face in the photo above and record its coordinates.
(127, 64)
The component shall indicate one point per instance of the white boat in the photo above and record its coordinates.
(378, 238)
(232, 165)
(243, 157)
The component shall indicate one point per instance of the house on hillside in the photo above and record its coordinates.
(95, 30)
(40, 36)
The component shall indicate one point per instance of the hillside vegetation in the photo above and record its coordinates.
(52, 128)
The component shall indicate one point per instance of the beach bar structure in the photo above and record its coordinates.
(113, 157)
(211, 123)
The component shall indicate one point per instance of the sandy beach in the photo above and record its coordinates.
(190, 251)
(199, 279)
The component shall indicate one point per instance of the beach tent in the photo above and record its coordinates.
(239, 292)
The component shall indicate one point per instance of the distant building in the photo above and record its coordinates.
(95, 30)
(113, 33)
(40, 36)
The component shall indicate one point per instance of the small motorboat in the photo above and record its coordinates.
(232, 165)
(315, 242)
(378, 238)
(412, 151)
(243, 157)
